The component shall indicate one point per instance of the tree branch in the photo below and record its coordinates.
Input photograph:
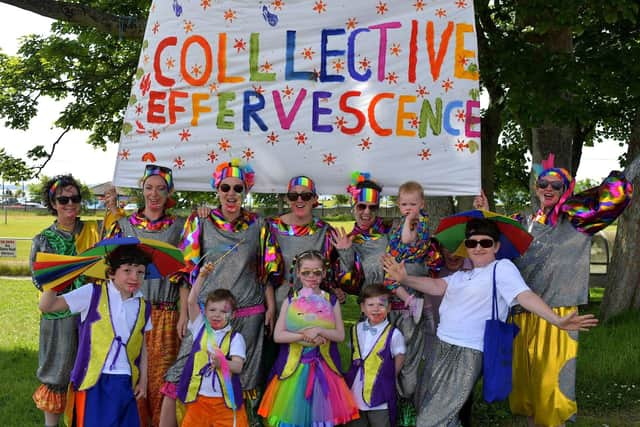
(53, 148)
(129, 27)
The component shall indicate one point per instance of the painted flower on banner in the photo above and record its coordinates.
(188, 26)
(460, 115)
(364, 63)
(170, 63)
(139, 109)
(277, 4)
(461, 4)
(392, 78)
(340, 122)
(213, 87)
(419, 5)
(124, 154)
(154, 134)
(224, 144)
(212, 156)
(414, 123)
(395, 49)
(337, 65)
(266, 67)
(288, 92)
(441, 13)
(351, 23)
(205, 4)
(258, 88)
(155, 28)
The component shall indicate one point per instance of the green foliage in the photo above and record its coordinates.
(512, 178)
(12, 169)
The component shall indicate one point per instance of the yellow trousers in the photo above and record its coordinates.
(544, 358)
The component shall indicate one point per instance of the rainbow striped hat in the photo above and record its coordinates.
(303, 181)
(234, 169)
(164, 172)
(363, 189)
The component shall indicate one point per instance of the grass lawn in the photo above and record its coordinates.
(608, 368)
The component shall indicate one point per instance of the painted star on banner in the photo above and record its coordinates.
(329, 159)
(155, 28)
(248, 154)
(230, 15)
(392, 78)
(213, 87)
(185, 135)
(395, 49)
(461, 4)
(419, 5)
(153, 134)
(266, 67)
(320, 6)
(307, 53)
(447, 85)
(240, 45)
(288, 92)
(224, 144)
(382, 8)
(414, 123)
(422, 91)
(205, 4)
(124, 154)
(301, 138)
(178, 162)
(277, 4)
(258, 88)
(188, 26)
(365, 143)
(338, 65)
(460, 115)
(272, 138)
(170, 63)
(441, 13)
(212, 156)
(340, 122)
(351, 24)
(139, 109)
(364, 63)
(424, 154)
(460, 145)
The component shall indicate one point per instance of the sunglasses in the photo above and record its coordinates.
(362, 207)
(306, 196)
(318, 272)
(556, 185)
(238, 188)
(485, 243)
(63, 200)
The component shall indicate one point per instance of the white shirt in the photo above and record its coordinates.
(237, 347)
(467, 302)
(124, 314)
(366, 341)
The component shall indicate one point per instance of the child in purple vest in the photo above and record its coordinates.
(377, 350)
(110, 371)
(210, 382)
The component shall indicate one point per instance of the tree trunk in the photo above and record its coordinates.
(623, 280)
(552, 137)
(438, 208)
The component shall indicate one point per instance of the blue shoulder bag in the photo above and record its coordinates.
(498, 352)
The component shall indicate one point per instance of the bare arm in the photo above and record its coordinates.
(398, 361)
(270, 315)
(398, 273)
(410, 229)
(570, 322)
(192, 300)
(140, 390)
(184, 312)
(235, 364)
(50, 302)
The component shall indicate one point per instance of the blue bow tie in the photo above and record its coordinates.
(367, 327)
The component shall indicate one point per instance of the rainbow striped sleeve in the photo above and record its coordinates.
(594, 209)
(271, 263)
(190, 246)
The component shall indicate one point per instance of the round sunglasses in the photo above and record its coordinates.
(362, 207)
(224, 188)
(306, 196)
(485, 243)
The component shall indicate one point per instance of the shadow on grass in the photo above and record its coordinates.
(17, 370)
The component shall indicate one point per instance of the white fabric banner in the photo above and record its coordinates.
(307, 87)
